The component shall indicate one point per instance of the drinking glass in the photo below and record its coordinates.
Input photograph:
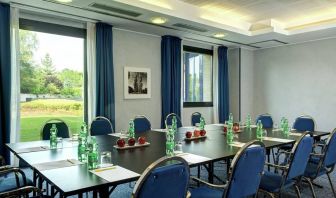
(105, 159)
(264, 133)
(178, 148)
(59, 142)
(123, 133)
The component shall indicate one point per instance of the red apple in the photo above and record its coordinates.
(142, 140)
(225, 129)
(236, 127)
(131, 141)
(197, 133)
(121, 142)
(202, 132)
(188, 134)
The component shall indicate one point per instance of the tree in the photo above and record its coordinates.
(47, 65)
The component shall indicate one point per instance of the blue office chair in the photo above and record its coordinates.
(101, 126)
(322, 163)
(12, 178)
(244, 176)
(169, 120)
(266, 120)
(141, 124)
(195, 118)
(304, 123)
(23, 192)
(292, 172)
(62, 129)
(164, 181)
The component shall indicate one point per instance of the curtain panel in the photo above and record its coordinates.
(170, 76)
(223, 84)
(5, 79)
(105, 101)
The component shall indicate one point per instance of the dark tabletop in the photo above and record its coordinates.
(71, 179)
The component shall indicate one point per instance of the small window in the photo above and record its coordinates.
(197, 67)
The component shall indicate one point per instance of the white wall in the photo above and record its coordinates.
(297, 79)
(136, 50)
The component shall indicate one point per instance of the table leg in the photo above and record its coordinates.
(104, 192)
(210, 172)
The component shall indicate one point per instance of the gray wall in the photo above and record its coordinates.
(233, 62)
(297, 79)
(137, 50)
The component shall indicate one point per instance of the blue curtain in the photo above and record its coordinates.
(170, 76)
(5, 79)
(223, 84)
(105, 74)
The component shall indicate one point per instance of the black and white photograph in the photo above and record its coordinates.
(137, 83)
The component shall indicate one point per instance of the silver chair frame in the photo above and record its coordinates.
(153, 166)
(103, 118)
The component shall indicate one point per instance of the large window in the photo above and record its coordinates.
(52, 61)
(197, 67)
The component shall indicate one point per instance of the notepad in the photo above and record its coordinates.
(277, 139)
(33, 149)
(118, 135)
(160, 130)
(192, 158)
(237, 144)
(115, 173)
(57, 164)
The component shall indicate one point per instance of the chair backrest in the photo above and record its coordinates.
(195, 118)
(62, 129)
(304, 123)
(170, 117)
(329, 159)
(164, 181)
(101, 126)
(266, 120)
(300, 156)
(246, 170)
(141, 124)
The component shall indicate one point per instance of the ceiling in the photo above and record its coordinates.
(252, 24)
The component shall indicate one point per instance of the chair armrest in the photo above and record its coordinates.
(21, 191)
(207, 183)
(17, 171)
(317, 154)
(2, 168)
(276, 166)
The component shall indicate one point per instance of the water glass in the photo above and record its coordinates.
(74, 137)
(178, 148)
(59, 142)
(105, 159)
(123, 133)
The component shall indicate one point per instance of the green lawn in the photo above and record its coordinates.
(31, 126)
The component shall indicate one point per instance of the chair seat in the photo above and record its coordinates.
(271, 182)
(311, 170)
(9, 183)
(314, 159)
(206, 192)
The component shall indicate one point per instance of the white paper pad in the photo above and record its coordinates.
(160, 130)
(115, 173)
(118, 135)
(57, 164)
(218, 124)
(253, 126)
(33, 149)
(193, 159)
(237, 144)
(277, 139)
(295, 134)
(276, 129)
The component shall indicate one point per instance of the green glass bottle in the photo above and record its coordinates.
(259, 130)
(53, 137)
(248, 121)
(82, 143)
(170, 143)
(202, 123)
(174, 123)
(92, 154)
(231, 117)
(131, 129)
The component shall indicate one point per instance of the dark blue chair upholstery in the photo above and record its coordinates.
(323, 163)
(195, 118)
(246, 170)
(101, 126)
(141, 124)
(304, 123)
(62, 129)
(266, 120)
(274, 183)
(170, 117)
(164, 181)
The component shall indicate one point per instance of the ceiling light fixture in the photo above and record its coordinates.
(64, 1)
(159, 20)
(219, 35)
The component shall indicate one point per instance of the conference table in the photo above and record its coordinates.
(77, 179)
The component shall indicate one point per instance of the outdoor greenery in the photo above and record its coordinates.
(43, 78)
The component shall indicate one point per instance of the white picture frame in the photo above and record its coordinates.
(137, 83)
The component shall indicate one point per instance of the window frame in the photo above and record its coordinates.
(192, 49)
(63, 30)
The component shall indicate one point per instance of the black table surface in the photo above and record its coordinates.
(70, 180)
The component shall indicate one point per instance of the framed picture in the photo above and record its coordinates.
(137, 82)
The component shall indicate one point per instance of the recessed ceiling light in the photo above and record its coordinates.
(64, 1)
(219, 35)
(159, 20)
